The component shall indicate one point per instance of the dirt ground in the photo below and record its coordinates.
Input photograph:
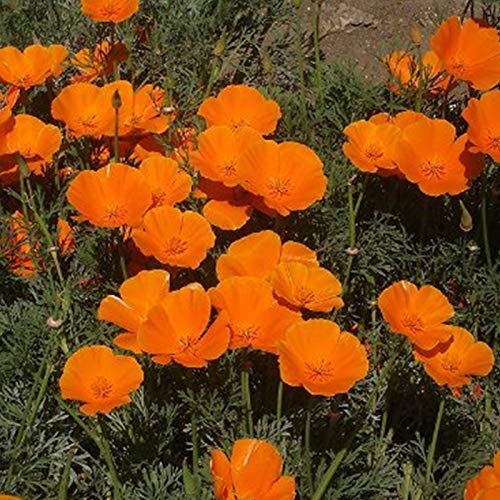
(365, 30)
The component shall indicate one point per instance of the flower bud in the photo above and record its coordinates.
(415, 35)
(117, 100)
(466, 223)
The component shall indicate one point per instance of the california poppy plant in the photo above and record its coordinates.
(454, 362)
(65, 237)
(253, 473)
(34, 66)
(169, 184)
(429, 155)
(315, 355)
(419, 314)
(173, 237)
(241, 106)
(219, 153)
(287, 176)
(469, 52)
(254, 316)
(112, 196)
(176, 329)
(138, 295)
(307, 287)
(109, 11)
(485, 482)
(100, 379)
(484, 126)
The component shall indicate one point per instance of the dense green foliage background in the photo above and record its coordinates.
(194, 48)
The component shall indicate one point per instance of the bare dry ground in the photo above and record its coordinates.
(364, 30)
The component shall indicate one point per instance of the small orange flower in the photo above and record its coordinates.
(430, 156)
(371, 145)
(9, 497)
(288, 176)
(146, 147)
(18, 252)
(403, 67)
(34, 66)
(254, 473)
(419, 314)
(109, 11)
(219, 154)
(100, 379)
(227, 208)
(453, 362)
(166, 180)
(175, 329)
(484, 126)
(173, 237)
(35, 141)
(138, 295)
(65, 238)
(469, 52)
(241, 106)
(7, 103)
(316, 355)
(258, 254)
(112, 196)
(486, 481)
(85, 109)
(307, 287)
(254, 316)
(93, 64)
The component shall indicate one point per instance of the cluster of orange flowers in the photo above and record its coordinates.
(486, 484)
(426, 150)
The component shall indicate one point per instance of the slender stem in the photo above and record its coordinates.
(317, 52)
(62, 493)
(194, 432)
(300, 60)
(307, 444)
(121, 255)
(116, 143)
(325, 480)
(484, 227)
(247, 402)
(432, 449)
(279, 406)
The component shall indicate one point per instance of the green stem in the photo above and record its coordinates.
(116, 143)
(484, 227)
(300, 60)
(121, 256)
(307, 444)
(101, 442)
(247, 402)
(279, 406)
(317, 52)
(194, 431)
(432, 449)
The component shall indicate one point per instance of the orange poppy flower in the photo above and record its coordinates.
(173, 237)
(469, 52)
(288, 176)
(219, 153)
(403, 67)
(166, 180)
(109, 11)
(241, 106)
(146, 147)
(65, 238)
(176, 329)
(34, 66)
(100, 379)
(434, 75)
(307, 287)
(184, 143)
(9, 497)
(227, 208)
(419, 314)
(254, 316)
(371, 145)
(484, 125)
(93, 64)
(85, 109)
(7, 103)
(317, 356)
(138, 295)
(112, 196)
(485, 480)
(35, 141)
(453, 362)
(18, 251)
(254, 473)
(140, 111)
(430, 156)
(258, 254)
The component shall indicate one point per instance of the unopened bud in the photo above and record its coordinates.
(220, 46)
(466, 222)
(416, 35)
(117, 100)
(267, 64)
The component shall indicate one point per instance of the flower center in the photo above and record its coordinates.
(493, 142)
(433, 171)
(101, 388)
(115, 215)
(159, 197)
(451, 364)
(247, 332)
(373, 152)
(110, 9)
(413, 323)
(304, 295)
(176, 246)
(239, 123)
(319, 371)
(88, 122)
(457, 66)
(228, 169)
(279, 188)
